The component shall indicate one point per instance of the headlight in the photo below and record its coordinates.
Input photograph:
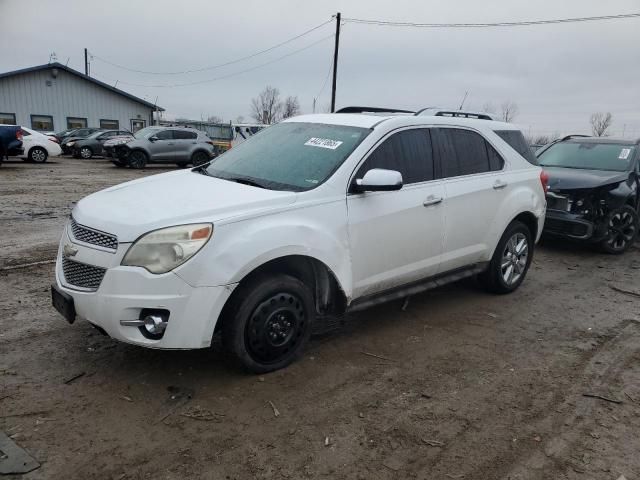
(70, 144)
(163, 250)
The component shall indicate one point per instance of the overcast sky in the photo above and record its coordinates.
(557, 74)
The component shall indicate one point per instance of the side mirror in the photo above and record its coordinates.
(153, 138)
(378, 180)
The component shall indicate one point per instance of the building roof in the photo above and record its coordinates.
(81, 75)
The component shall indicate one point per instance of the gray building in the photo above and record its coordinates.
(54, 97)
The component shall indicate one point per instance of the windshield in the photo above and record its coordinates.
(588, 156)
(146, 132)
(289, 156)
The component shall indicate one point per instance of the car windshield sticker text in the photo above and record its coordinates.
(624, 153)
(323, 143)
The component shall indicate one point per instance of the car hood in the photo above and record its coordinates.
(130, 209)
(572, 178)
(72, 139)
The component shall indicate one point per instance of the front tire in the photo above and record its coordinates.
(86, 153)
(137, 159)
(511, 260)
(38, 155)
(622, 226)
(269, 322)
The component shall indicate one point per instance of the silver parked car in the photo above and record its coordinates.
(157, 144)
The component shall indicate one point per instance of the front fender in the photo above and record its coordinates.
(238, 248)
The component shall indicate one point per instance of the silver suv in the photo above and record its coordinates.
(157, 144)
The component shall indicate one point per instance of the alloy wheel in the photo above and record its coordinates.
(38, 155)
(514, 258)
(622, 229)
(85, 152)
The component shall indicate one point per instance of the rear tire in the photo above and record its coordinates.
(38, 155)
(623, 230)
(137, 159)
(269, 322)
(511, 260)
(199, 158)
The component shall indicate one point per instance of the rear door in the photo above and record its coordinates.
(475, 186)
(185, 142)
(163, 149)
(396, 237)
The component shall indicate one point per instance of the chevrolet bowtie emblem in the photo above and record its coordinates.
(69, 250)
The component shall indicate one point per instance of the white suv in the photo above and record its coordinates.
(316, 216)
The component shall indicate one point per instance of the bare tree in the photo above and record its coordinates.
(214, 119)
(267, 107)
(291, 107)
(600, 122)
(509, 111)
(239, 119)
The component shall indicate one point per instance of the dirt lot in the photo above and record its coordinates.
(472, 386)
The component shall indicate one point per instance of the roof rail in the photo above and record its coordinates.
(372, 110)
(437, 112)
(569, 137)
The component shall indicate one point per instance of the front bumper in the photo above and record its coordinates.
(563, 224)
(125, 291)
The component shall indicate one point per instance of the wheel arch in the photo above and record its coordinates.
(40, 147)
(328, 293)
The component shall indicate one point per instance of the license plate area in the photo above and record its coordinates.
(63, 303)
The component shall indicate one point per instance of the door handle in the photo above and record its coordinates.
(499, 185)
(432, 200)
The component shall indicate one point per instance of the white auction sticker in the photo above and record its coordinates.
(624, 153)
(323, 143)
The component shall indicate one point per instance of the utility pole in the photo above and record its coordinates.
(335, 64)
(86, 63)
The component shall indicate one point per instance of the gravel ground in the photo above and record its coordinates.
(469, 386)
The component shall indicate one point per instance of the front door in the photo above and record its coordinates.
(396, 237)
(163, 148)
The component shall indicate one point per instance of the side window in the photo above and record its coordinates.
(516, 140)
(185, 135)
(496, 162)
(165, 135)
(462, 152)
(408, 152)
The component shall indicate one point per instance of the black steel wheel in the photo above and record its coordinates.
(137, 159)
(622, 226)
(199, 158)
(269, 322)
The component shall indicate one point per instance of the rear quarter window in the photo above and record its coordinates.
(516, 140)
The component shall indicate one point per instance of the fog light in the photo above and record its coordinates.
(154, 324)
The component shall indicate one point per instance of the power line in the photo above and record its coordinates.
(213, 67)
(230, 74)
(488, 25)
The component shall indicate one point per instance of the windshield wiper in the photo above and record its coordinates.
(245, 181)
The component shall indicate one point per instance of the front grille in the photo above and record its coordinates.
(82, 275)
(94, 237)
(574, 229)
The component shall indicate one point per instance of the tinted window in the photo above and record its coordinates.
(408, 152)
(462, 152)
(496, 162)
(165, 135)
(516, 140)
(184, 135)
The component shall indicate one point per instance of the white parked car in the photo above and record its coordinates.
(314, 217)
(37, 146)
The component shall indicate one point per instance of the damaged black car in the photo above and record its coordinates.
(593, 190)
